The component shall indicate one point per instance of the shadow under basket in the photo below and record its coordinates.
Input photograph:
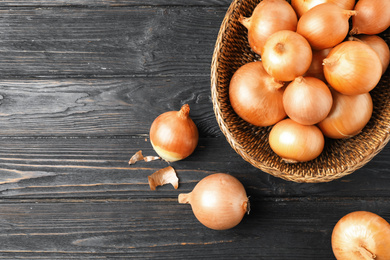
(339, 158)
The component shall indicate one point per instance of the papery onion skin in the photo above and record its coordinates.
(361, 235)
(325, 25)
(218, 201)
(255, 96)
(348, 116)
(352, 68)
(302, 6)
(286, 55)
(307, 100)
(268, 17)
(373, 17)
(380, 47)
(294, 142)
(173, 135)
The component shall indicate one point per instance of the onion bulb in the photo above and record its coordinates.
(348, 116)
(325, 25)
(255, 96)
(361, 235)
(286, 55)
(268, 17)
(373, 17)
(218, 201)
(307, 100)
(352, 68)
(173, 135)
(302, 6)
(316, 68)
(295, 142)
(380, 47)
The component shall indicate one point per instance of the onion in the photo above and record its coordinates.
(268, 17)
(307, 100)
(255, 96)
(286, 55)
(352, 68)
(361, 235)
(174, 136)
(373, 17)
(325, 25)
(302, 6)
(316, 68)
(295, 142)
(380, 47)
(348, 116)
(219, 201)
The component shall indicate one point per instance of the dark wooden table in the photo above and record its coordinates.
(81, 82)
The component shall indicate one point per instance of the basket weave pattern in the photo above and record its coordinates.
(339, 158)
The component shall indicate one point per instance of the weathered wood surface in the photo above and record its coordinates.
(108, 42)
(163, 229)
(81, 82)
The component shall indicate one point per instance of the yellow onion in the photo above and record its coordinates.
(316, 68)
(352, 68)
(361, 235)
(294, 142)
(286, 55)
(302, 6)
(173, 134)
(268, 17)
(380, 47)
(255, 96)
(218, 201)
(373, 17)
(307, 100)
(325, 25)
(348, 116)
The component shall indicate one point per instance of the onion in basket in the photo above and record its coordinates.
(255, 96)
(268, 17)
(295, 142)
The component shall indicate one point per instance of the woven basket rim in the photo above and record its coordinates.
(239, 148)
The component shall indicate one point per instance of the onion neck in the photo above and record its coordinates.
(184, 111)
(365, 253)
(246, 21)
(354, 31)
(349, 13)
(331, 62)
(247, 206)
(184, 198)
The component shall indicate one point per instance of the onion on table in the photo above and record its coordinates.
(361, 235)
(173, 134)
(218, 201)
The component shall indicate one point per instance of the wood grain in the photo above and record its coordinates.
(111, 3)
(100, 107)
(39, 168)
(120, 42)
(164, 229)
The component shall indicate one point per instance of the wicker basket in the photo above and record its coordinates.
(339, 158)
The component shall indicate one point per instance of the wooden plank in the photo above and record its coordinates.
(108, 42)
(99, 107)
(163, 229)
(112, 3)
(97, 168)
